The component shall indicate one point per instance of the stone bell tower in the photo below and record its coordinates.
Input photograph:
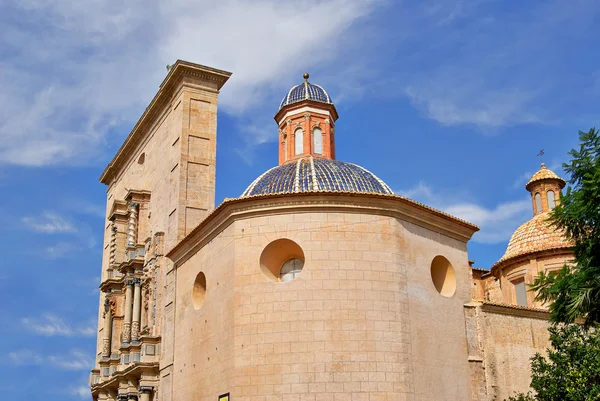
(161, 185)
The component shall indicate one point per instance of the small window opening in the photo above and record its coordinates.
(298, 142)
(521, 292)
(538, 203)
(142, 158)
(318, 141)
(551, 201)
(291, 269)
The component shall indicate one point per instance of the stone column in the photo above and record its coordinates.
(132, 225)
(128, 310)
(145, 393)
(107, 331)
(112, 260)
(137, 309)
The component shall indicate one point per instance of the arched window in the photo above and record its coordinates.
(298, 142)
(318, 140)
(551, 201)
(538, 203)
(291, 269)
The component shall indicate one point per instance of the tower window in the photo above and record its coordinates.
(538, 203)
(298, 142)
(521, 292)
(318, 141)
(551, 201)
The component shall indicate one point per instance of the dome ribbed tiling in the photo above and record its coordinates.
(306, 91)
(314, 174)
(535, 235)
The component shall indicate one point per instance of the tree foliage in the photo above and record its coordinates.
(571, 371)
(574, 292)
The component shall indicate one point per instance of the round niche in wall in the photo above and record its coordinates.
(199, 291)
(282, 260)
(443, 276)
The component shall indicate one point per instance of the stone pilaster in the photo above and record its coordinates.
(107, 330)
(128, 311)
(137, 308)
(132, 224)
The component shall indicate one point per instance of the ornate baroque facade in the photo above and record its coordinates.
(317, 283)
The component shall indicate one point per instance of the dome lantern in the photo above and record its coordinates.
(545, 187)
(306, 120)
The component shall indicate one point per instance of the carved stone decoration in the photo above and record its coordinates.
(132, 224)
(113, 244)
(135, 330)
(146, 302)
(126, 334)
(106, 347)
(113, 307)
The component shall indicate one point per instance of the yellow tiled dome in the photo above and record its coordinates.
(534, 235)
(545, 173)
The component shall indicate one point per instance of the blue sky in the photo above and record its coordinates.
(449, 102)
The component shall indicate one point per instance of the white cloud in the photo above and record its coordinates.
(25, 357)
(81, 391)
(449, 101)
(52, 325)
(84, 70)
(497, 223)
(75, 359)
(49, 223)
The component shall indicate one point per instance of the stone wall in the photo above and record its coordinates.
(502, 339)
(362, 321)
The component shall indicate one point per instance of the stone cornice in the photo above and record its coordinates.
(376, 204)
(133, 372)
(501, 265)
(111, 283)
(328, 109)
(131, 264)
(118, 211)
(179, 75)
(514, 310)
(138, 196)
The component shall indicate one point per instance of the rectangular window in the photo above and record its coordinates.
(521, 292)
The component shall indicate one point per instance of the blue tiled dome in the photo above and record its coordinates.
(315, 174)
(306, 91)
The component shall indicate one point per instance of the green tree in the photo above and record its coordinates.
(574, 292)
(571, 371)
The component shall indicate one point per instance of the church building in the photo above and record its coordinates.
(317, 283)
